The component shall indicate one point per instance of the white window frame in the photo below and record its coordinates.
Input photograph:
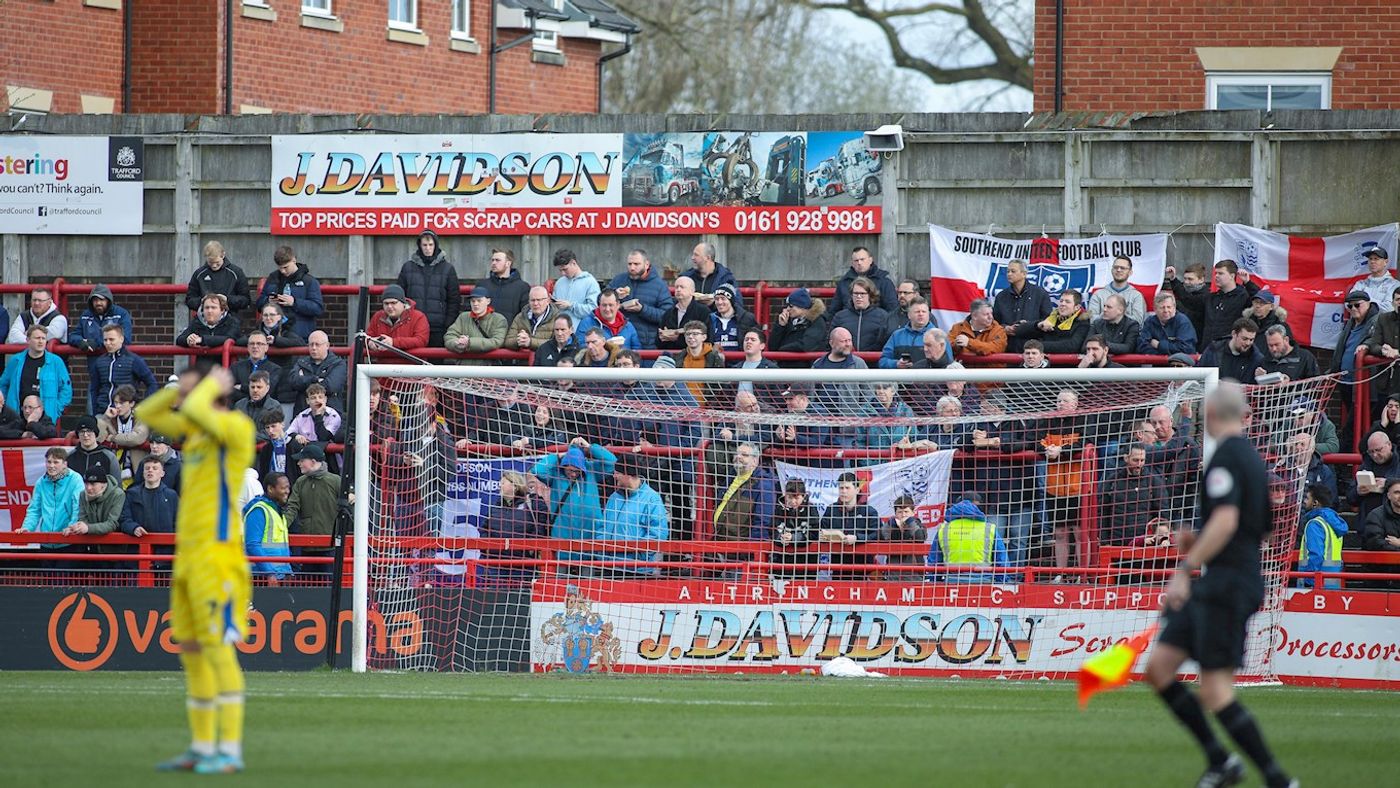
(1270, 79)
(314, 8)
(257, 3)
(399, 24)
(548, 40)
(462, 19)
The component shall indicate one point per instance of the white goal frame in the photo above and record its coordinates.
(365, 373)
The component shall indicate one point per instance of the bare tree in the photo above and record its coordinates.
(748, 56)
(967, 40)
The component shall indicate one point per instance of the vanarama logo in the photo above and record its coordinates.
(35, 165)
(87, 631)
(81, 640)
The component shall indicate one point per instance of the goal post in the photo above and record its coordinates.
(450, 575)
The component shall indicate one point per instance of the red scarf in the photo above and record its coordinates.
(615, 326)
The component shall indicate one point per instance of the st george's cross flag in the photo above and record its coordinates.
(1310, 276)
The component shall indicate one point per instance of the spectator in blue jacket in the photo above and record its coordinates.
(102, 311)
(967, 538)
(37, 372)
(573, 478)
(1166, 332)
(265, 529)
(292, 287)
(906, 345)
(1323, 530)
(150, 506)
(53, 506)
(644, 295)
(634, 513)
(575, 290)
(617, 330)
(117, 367)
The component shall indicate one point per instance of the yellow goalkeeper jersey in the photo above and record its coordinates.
(218, 447)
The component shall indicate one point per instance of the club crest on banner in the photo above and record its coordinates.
(1247, 255)
(1358, 254)
(581, 635)
(1055, 279)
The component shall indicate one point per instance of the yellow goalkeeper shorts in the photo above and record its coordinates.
(209, 601)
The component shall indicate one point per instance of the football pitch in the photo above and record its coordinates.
(384, 730)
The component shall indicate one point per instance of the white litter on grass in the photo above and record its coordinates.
(846, 668)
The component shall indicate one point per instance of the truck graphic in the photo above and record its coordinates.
(859, 169)
(658, 175)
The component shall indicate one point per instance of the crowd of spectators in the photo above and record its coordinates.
(581, 489)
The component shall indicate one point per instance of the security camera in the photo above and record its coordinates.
(886, 139)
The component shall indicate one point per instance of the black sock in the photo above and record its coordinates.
(1240, 724)
(1188, 709)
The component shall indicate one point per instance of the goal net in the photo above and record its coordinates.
(997, 522)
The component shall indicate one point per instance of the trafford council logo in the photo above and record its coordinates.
(126, 157)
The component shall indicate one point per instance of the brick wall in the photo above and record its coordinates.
(74, 49)
(1140, 55)
(285, 66)
(358, 69)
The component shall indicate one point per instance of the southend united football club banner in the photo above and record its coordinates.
(19, 470)
(923, 478)
(71, 185)
(470, 496)
(1310, 276)
(576, 184)
(1024, 631)
(965, 266)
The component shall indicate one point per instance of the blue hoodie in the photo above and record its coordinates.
(87, 333)
(1315, 523)
(576, 506)
(967, 510)
(636, 515)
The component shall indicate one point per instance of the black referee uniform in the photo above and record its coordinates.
(1211, 626)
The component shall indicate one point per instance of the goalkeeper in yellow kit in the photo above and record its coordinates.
(210, 585)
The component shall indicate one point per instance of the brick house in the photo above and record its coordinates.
(310, 56)
(1148, 55)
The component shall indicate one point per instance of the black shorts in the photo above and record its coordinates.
(1213, 624)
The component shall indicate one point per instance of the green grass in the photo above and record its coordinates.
(390, 730)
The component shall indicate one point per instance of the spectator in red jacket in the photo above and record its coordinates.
(398, 324)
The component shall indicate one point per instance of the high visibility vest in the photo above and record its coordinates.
(275, 530)
(1331, 546)
(966, 542)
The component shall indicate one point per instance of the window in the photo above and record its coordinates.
(549, 39)
(316, 7)
(462, 18)
(403, 14)
(1268, 91)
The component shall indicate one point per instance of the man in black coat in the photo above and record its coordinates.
(1229, 300)
(1020, 307)
(431, 282)
(218, 275)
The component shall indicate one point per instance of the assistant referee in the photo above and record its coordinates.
(1207, 621)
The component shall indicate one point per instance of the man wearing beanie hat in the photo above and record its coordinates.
(89, 455)
(801, 325)
(398, 324)
(480, 329)
(100, 507)
(729, 320)
(634, 512)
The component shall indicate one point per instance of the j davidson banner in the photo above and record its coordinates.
(576, 184)
(936, 629)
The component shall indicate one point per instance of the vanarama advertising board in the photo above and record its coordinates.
(576, 184)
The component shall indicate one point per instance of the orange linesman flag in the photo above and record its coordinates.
(1110, 669)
